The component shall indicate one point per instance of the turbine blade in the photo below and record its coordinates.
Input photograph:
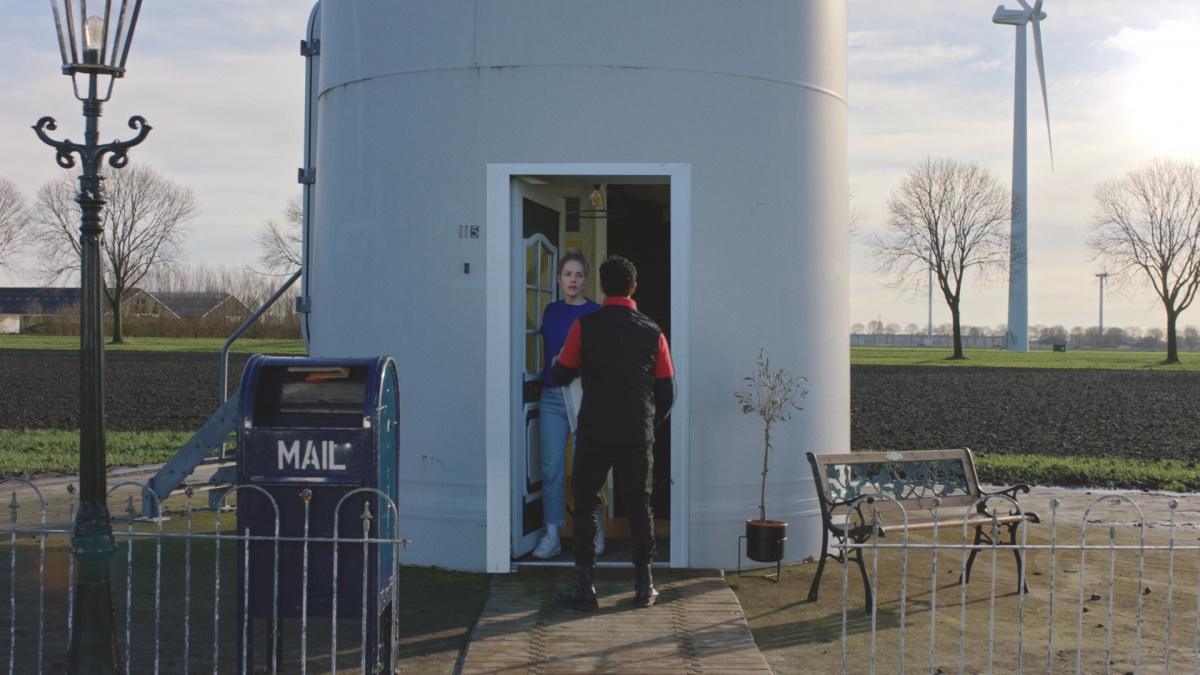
(1037, 8)
(1037, 53)
(1024, 4)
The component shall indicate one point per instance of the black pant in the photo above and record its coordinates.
(634, 466)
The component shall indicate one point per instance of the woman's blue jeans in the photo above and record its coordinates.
(554, 430)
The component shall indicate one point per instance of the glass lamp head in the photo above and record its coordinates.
(94, 38)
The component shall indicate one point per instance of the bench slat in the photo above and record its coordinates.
(926, 523)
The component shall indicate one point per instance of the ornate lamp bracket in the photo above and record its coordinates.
(91, 153)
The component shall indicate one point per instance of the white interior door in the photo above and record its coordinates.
(537, 219)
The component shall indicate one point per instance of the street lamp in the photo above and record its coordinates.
(94, 40)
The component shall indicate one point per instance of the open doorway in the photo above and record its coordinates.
(658, 193)
(600, 219)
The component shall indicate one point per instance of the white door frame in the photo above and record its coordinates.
(499, 409)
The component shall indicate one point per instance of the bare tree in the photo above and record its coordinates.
(14, 217)
(146, 222)
(1147, 228)
(948, 215)
(281, 242)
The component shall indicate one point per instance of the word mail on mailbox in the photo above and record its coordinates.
(322, 458)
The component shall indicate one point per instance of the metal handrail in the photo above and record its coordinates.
(237, 333)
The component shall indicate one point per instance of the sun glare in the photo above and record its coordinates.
(1159, 89)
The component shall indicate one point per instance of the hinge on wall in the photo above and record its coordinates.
(303, 305)
(314, 50)
(306, 176)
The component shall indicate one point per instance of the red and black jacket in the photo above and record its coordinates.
(628, 379)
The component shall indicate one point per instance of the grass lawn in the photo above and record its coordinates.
(29, 452)
(996, 358)
(1090, 472)
(242, 346)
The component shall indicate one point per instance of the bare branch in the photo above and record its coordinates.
(146, 222)
(14, 221)
(856, 217)
(1146, 229)
(948, 216)
(281, 242)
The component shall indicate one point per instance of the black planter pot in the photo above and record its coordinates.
(764, 540)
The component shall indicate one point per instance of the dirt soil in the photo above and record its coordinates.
(1098, 413)
(144, 391)
(1132, 414)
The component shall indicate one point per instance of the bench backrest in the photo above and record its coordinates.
(913, 477)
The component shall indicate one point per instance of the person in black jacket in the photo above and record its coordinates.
(628, 389)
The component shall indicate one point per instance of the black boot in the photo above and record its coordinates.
(583, 596)
(644, 594)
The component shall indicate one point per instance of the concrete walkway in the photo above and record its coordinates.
(697, 627)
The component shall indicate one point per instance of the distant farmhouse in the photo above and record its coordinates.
(21, 308)
(203, 305)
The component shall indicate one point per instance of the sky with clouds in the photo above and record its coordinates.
(222, 83)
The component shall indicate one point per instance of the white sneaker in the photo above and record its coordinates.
(600, 541)
(548, 547)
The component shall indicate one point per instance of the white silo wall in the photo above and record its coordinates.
(417, 99)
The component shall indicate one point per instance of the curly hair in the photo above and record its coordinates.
(617, 276)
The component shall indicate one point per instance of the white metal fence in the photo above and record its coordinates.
(177, 602)
(1109, 592)
(1133, 608)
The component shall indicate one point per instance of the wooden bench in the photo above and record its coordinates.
(913, 479)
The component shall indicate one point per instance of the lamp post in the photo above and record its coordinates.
(94, 47)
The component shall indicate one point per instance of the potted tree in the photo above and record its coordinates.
(771, 395)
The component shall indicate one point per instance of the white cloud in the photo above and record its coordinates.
(882, 58)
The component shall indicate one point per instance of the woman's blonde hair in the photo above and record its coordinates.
(576, 255)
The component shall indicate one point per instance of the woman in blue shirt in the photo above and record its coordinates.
(554, 427)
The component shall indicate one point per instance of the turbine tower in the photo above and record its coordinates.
(1018, 269)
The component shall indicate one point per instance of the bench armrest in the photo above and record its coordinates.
(1009, 491)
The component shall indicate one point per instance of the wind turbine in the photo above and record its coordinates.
(1018, 272)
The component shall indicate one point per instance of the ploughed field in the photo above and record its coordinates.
(1128, 414)
(1084, 413)
(144, 391)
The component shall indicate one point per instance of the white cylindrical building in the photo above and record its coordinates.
(456, 149)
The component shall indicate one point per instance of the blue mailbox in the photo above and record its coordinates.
(330, 427)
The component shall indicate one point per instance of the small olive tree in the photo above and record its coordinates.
(772, 395)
